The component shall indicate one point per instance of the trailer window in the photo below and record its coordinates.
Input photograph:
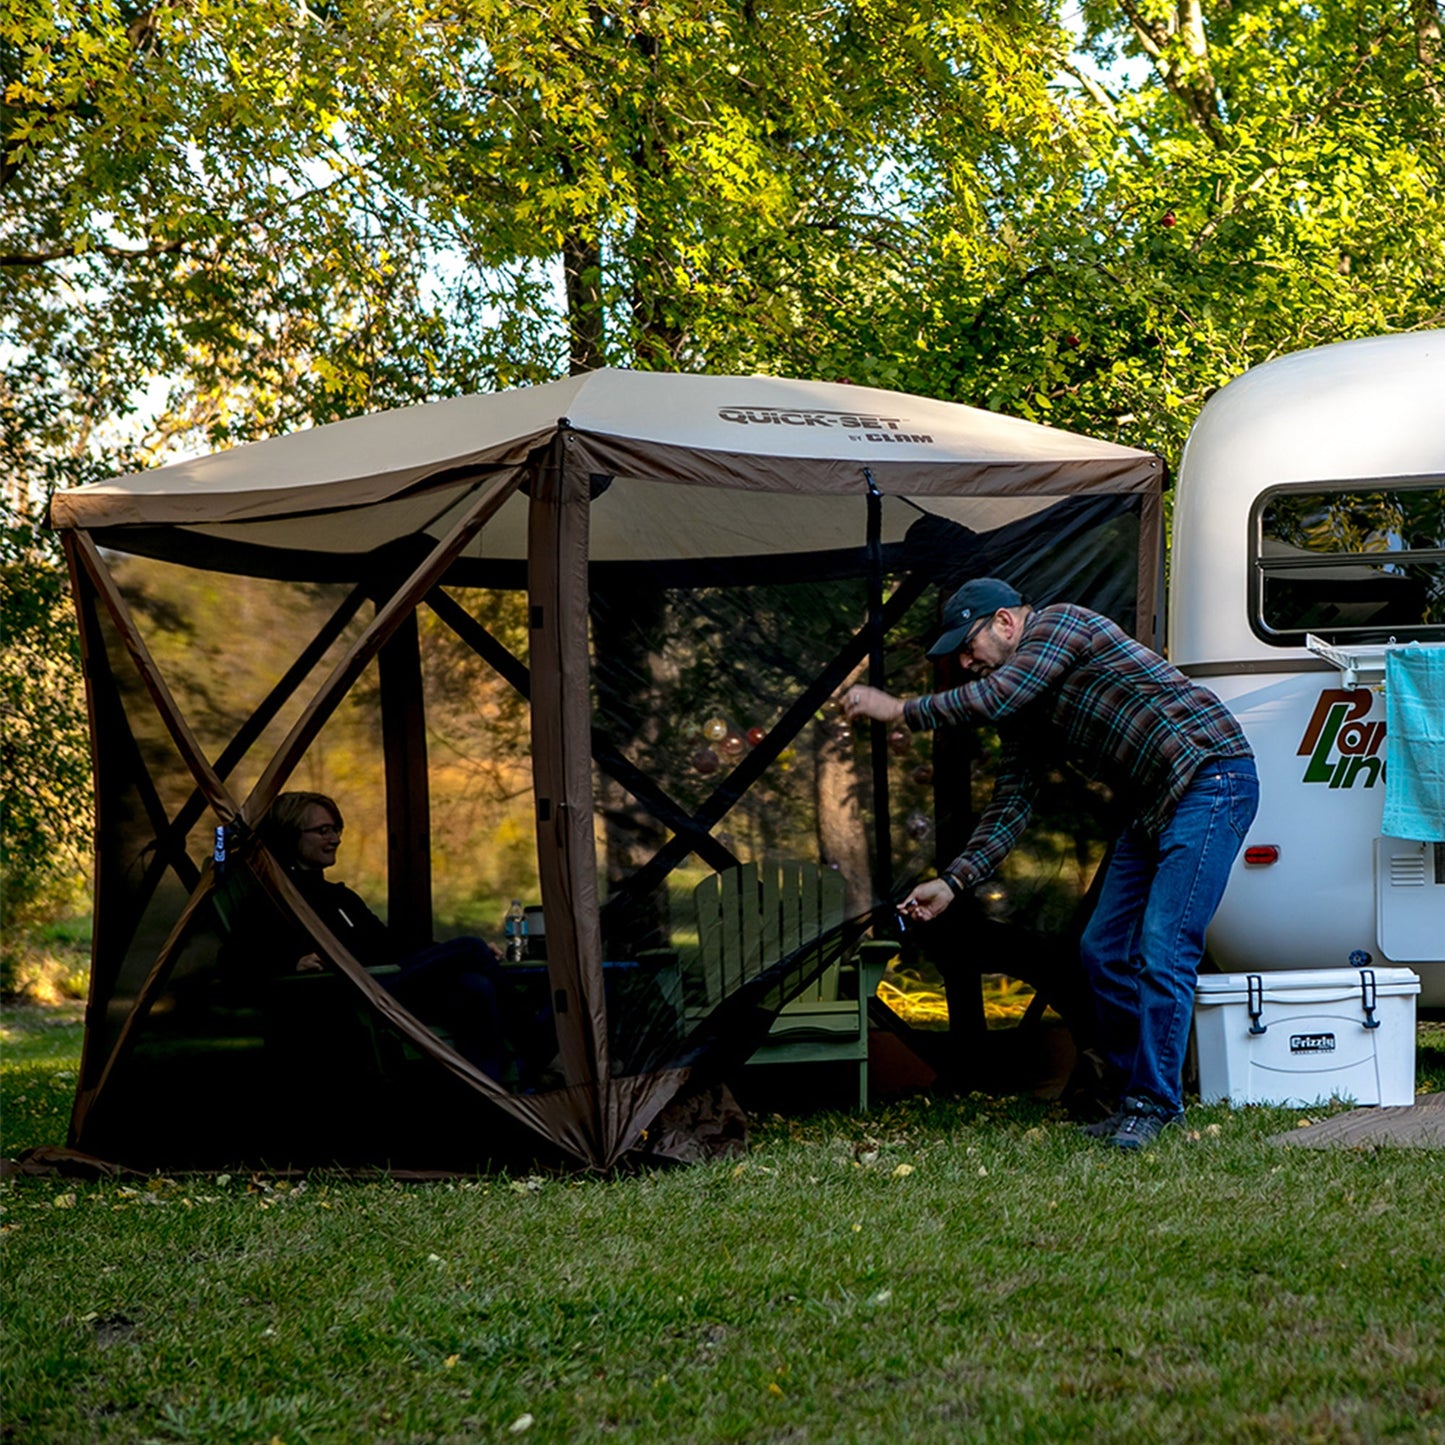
(1350, 560)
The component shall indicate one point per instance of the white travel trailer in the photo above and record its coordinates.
(1309, 538)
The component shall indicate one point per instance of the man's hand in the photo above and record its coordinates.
(310, 963)
(871, 702)
(926, 901)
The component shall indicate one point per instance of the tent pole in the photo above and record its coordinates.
(1149, 627)
(877, 677)
(408, 800)
(561, 720)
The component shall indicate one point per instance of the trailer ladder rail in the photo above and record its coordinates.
(1360, 666)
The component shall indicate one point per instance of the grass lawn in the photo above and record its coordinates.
(946, 1269)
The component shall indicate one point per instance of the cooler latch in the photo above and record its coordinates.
(1254, 1001)
(1367, 997)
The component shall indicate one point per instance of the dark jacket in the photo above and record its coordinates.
(265, 939)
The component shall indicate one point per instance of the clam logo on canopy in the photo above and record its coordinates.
(861, 426)
(1341, 745)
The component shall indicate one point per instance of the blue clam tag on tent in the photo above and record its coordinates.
(1415, 743)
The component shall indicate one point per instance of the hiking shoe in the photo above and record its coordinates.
(1104, 1128)
(1141, 1124)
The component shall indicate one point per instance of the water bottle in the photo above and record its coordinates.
(218, 856)
(515, 928)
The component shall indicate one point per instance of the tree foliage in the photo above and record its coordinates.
(273, 213)
(1240, 180)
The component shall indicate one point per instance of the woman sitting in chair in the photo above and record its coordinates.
(456, 981)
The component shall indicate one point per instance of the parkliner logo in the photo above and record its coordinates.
(1343, 749)
(859, 425)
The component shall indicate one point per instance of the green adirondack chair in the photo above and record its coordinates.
(753, 916)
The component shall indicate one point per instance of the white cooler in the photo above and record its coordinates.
(1295, 1038)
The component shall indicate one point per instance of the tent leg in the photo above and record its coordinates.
(408, 798)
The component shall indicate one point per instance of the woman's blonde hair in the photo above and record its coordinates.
(281, 827)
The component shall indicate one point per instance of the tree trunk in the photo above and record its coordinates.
(582, 266)
(1179, 50)
(1426, 17)
(842, 830)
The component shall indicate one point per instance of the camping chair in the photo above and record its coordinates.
(751, 919)
(314, 1023)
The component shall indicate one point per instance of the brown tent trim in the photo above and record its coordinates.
(560, 716)
(101, 507)
(408, 789)
(617, 1109)
(922, 476)
(1150, 625)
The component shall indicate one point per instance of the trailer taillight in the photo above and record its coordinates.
(1261, 854)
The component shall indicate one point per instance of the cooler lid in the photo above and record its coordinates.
(1306, 985)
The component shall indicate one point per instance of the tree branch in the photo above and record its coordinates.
(1426, 17)
(1189, 80)
(65, 253)
(1106, 103)
(1217, 219)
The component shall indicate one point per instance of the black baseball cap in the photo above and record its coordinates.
(966, 612)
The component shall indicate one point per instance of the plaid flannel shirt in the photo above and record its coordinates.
(1080, 689)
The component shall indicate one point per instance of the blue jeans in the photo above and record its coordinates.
(1142, 947)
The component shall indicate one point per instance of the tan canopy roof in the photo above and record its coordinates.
(354, 485)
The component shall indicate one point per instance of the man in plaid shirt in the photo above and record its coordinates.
(1064, 684)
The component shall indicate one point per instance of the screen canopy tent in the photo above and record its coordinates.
(572, 643)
